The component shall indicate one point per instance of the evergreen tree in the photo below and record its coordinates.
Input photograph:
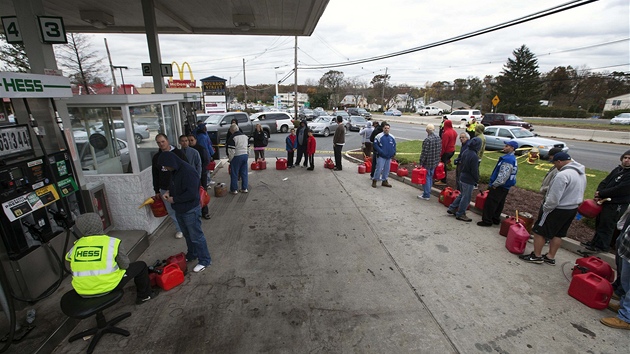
(519, 86)
(13, 57)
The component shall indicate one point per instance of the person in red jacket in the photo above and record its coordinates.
(449, 137)
(311, 146)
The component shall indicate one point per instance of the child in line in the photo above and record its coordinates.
(311, 146)
(291, 147)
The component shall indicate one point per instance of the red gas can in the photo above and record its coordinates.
(171, 277)
(328, 163)
(262, 165)
(505, 225)
(590, 208)
(419, 175)
(361, 169)
(393, 166)
(158, 208)
(450, 197)
(211, 166)
(402, 172)
(517, 238)
(591, 290)
(281, 163)
(180, 260)
(440, 173)
(368, 166)
(254, 166)
(480, 200)
(443, 194)
(595, 265)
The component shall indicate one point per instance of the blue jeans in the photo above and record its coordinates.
(381, 171)
(190, 222)
(624, 302)
(238, 168)
(463, 199)
(426, 188)
(171, 212)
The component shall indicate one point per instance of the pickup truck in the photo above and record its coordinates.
(219, 124)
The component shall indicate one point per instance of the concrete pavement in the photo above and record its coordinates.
(320, 262)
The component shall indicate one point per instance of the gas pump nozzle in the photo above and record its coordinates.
(62, 218)
(35, 230)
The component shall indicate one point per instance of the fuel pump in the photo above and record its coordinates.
(38, 191)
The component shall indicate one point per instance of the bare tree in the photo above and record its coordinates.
(13, 57)
(82, 64)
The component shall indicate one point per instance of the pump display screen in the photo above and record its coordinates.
(15, 140)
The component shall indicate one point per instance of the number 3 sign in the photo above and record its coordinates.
(52, 29)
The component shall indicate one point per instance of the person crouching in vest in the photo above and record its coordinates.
(100, 264)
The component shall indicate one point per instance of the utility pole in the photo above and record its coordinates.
(295, 88)
(244, 83)
(122, 77)
(111, 66)
(383, 92)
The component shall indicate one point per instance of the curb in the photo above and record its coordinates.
(567, 243)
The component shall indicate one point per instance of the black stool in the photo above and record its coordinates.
(76, 306)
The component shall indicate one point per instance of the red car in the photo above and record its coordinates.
(505, 119)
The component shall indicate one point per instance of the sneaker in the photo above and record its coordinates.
(450, 212)
(424, 198)
(614, 322)
(154, 294)
(547, 260)
(199, 268)
(531, 258)
(463, 218)
(179, 234)
(233, 192)
(244, 191)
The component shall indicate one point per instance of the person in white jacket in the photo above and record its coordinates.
(558, 209)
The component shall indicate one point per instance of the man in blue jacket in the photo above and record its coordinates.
(469, 177)
(502, 179)
(385, 148)
(183, 195)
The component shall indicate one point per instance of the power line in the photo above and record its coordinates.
(524, 19)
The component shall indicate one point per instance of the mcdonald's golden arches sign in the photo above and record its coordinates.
(181, 83)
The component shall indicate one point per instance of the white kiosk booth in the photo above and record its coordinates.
(114, 138)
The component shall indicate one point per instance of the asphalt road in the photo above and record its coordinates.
(599, 156)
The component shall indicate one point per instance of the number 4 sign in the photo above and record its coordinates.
(52, 29)
(11, 29)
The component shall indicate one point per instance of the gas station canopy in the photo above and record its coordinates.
(244, 17)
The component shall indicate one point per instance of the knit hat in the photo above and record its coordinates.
(512, 143)
(554, 151)
(561, 156)
(89, 224)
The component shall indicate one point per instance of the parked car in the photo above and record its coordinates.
(355, 123)
(219, 123)
(306, 114)
(497, 135)
(153, 123)
(354, 111)
(139, 131)
(505, 119)
(623, 118)
(464, 115)
(343, 114)
(430, 111)
(324, 125)
(393, 112)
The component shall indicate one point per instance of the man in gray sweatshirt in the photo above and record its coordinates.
(558, 209)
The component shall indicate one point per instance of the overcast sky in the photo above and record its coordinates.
(595, 36)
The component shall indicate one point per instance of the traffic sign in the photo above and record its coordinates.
(495, 100)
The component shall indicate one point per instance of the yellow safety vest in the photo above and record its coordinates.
(471, 127)
(93, 264)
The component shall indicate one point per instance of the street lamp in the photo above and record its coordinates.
(121, 76)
